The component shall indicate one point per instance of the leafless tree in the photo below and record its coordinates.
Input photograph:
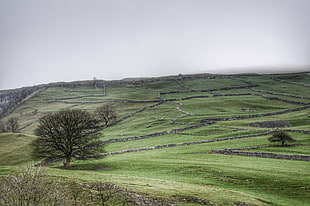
(12, 125)
(65, 134)
(106, 114)
(2, 127)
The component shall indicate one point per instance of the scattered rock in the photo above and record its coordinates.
(270, 124)
(189, 199)
(247, 110)
(244, 204)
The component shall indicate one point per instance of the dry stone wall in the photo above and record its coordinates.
(243, 80)
(281, 94)
(186, 114)
(105, 101)
(207, 90)
(204, 122)
(264, 154)
(255, 115)
(138, 111)
(218, 95)
(174, 131)
(288, 82)
(78, 97)
(279, 99)
(164, 146)
(228, 138)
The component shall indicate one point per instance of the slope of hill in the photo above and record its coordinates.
(172, 134)
(15, 149)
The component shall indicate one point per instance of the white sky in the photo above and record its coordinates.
(44, 41)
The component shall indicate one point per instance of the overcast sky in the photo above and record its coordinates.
(44, 41)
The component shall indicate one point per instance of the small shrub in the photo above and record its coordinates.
(30, 187)
(281, 136)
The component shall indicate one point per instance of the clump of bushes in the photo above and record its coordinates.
(11, 125)
(31, 187)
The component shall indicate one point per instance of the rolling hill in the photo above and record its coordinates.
(187, 137)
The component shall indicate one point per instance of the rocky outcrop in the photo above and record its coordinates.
(270, 124)
(10, 99)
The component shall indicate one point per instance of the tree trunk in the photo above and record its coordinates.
(282, 142)
(67, 164)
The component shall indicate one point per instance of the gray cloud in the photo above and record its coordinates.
(62, 40)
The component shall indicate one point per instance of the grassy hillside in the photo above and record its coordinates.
(15, 150)
(180, 121)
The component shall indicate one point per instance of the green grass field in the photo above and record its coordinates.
(186, 173)
(15, 148)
